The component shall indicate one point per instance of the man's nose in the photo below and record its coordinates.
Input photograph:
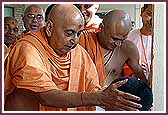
(35, 19)
(10, 31)
(72, 41)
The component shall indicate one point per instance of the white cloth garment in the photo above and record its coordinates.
(144, 45)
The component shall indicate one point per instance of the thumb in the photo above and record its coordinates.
(119, 83)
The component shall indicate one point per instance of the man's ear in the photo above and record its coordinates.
(49, 28)
(101, 26)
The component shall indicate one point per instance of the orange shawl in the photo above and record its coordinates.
(88, 40)
(33, 65)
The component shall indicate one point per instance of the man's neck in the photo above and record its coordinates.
(98, 35)
(104, 47)
(145, 31)
(90, 21)
(99, 39)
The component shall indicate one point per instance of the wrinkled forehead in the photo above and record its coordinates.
(34, 10)
(73, 19)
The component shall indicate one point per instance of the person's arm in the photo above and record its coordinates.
(61, 99)
(108, 97)
(27, 100)
(132, 53)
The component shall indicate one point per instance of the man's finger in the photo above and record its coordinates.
(130, 103)
(126, 107)
(130, 96)
(119, 83)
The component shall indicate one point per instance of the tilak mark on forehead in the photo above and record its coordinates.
(13, 22)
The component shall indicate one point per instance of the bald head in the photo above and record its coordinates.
(65, 12)
(114, 29)
(119, 21)
(63, 26)
(48, 11)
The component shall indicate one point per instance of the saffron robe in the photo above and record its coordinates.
(88, 40)
(32, 64)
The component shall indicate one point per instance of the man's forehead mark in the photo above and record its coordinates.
(13, 22)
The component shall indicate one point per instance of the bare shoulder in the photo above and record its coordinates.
(128, 47)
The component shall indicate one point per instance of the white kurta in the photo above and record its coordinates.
(144, 45)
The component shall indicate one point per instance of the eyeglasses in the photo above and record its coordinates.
(32, 16)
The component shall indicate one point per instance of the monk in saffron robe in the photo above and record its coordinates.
(11, 32)
(33, 19)
(48, 67)
(108, 48)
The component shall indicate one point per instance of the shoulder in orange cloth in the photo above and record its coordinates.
(24, 33)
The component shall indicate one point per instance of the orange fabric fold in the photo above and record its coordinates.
(43, 70)
(126, 71)
(88, 40)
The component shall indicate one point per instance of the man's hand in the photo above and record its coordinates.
(115, 100)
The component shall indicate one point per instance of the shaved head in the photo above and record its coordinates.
(63, 27)
(65, 12)
(119, 21)
(114, 29)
